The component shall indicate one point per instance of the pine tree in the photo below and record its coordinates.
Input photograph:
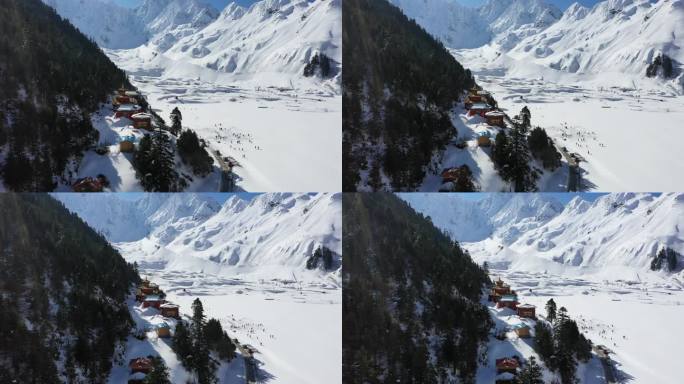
(551, 310)
(201, 361)
(182, 343)
(543, 340)
(176, 121)
(531, 373)
(159, 374)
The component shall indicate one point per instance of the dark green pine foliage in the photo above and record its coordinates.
(323, 257)
(511, 155)
(551, 310)
(201, 362)
(667, 259)
(176, 121)
(154, 164)
(51, 259)
(159, 374)
(193, 152)
(405, 281)
(51, 78)
(543, 149)
(318, 65)
(399, 87)
(182, 343)
(218, 340)
(543, 341)
(531, 373)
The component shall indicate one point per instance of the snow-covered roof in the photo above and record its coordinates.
(520, 325)
(152, 298)
(141, 116)
(526, 306)
(169, 305)
(129, 107)
(480, 106)
(494, 114)
(132, 93)
(163, 325)
(509, 298)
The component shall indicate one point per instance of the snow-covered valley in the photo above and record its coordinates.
(591, 77)
(594, 255)
(237, 76)
(246, 261)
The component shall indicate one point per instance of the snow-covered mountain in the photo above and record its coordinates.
(501, 215)
(108, 24)
(533, 232)
(188, 36)
(618, 36)
(458, 26)
(272, 234)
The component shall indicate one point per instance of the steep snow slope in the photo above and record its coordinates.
(623, 229)
(271, 236)
(156, 214)
(169, 21)
(110, 25)
(270, 36)
(615, 36)
(501, 215)
(533, 232)
(504, 21)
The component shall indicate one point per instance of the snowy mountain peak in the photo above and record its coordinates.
(575, 11)
(233, 11)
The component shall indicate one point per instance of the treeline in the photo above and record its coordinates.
(513, 152)
(560, 344)
(63, 290)
(406, 285)
(666, 259)
(155, 158)
(194, 342)
(399, 86)
(323, 257)
(51, 78)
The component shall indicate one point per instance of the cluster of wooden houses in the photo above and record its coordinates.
(150, 295)
(505, 297)
(479, 102)
(127, 104)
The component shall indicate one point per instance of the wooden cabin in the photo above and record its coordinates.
(473, 91)
(475, 99)
(527, 310)
(484, 139)
(495, 118)
(88, 184)
(145, 283)
(522, 330)
(126, 146)
(148, 290)
(163, 330)
(142, 121)
(479, 109)
(507, 364)
(501, 288)
(453, 174)
(140, 364)
(169, 310)
(127, 110)
(508, 301)
(152, 301)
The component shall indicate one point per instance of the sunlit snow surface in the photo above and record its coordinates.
(284, 139)
(638, 320)
(629, 138)
(296, 327)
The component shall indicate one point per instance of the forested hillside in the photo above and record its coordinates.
(51, 77)
(399, 84)
(411, 310)
(62, 294)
